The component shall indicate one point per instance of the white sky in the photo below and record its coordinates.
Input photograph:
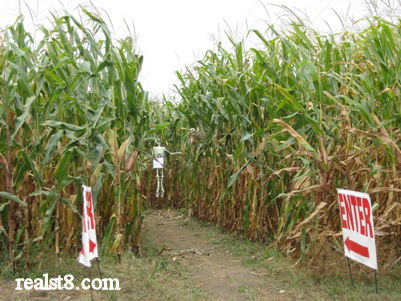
(174, 33)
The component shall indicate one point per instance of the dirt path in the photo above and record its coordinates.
(182, 260)
(212, 267)
(185, 260)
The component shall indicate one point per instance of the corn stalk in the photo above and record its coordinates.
(62, 98)
(274, 131)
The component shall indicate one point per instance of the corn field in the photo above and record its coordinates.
(72, 113)
(275, 130)
(267, 136)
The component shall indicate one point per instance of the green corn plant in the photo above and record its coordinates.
(273, 131)
(72, 112)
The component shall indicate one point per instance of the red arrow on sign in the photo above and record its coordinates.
(92, 246)
(357, 248)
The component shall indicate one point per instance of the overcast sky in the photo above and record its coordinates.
(174, 33)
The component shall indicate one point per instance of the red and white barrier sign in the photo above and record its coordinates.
(89, 242)
(357, 223)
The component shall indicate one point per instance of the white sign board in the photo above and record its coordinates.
(89, 241)
(158, 163)
(357, 223)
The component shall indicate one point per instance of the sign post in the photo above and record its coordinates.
(356, 218)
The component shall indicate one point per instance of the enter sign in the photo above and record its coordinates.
(357, 226)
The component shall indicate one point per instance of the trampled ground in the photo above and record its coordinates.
(183, 259)
(214, 271)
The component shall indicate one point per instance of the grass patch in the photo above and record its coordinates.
(316, 282)
(147, 278)
(250, 292)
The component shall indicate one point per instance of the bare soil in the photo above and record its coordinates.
(199, 268)
(212, 267)
(185, 260)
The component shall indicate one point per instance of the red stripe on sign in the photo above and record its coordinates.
(348, 210)
(341, 198)
(367, 213)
